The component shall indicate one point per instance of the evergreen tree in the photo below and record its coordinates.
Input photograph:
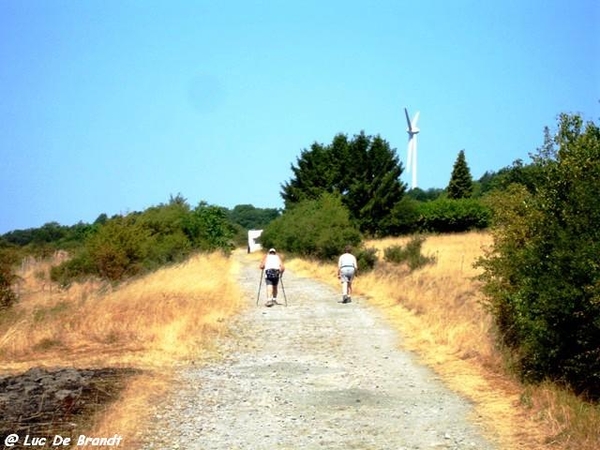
(364, 171)
(461, 182)
(312, 176)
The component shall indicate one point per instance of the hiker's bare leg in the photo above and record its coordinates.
(344, 288)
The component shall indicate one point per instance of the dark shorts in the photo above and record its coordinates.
(272, 281)
(272, 277)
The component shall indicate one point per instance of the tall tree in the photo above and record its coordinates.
(461, 182)
(363, 170)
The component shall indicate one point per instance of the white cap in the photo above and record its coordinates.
(272, 250)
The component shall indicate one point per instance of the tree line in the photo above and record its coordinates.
(126, 245)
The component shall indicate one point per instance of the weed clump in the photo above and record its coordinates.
(410, 254)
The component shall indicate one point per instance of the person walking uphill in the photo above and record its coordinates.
(347, 268)
(272, 264)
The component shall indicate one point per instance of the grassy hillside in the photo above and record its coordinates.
(150, 323)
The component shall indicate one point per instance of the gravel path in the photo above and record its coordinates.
(316, 374)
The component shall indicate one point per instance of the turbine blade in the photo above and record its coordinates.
(414, 121)
(407, 119)
(414, 171)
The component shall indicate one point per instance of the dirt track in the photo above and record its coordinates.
(315, 374)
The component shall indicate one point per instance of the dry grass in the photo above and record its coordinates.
(572, 424)
(443, 296)
(154, 320)
(151, 323)
(439, 313)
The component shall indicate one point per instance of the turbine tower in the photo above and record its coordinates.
(411, 162)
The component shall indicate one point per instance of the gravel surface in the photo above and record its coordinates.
(315, 374)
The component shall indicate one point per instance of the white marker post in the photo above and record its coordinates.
(253, 236)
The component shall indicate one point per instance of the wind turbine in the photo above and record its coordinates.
(411, 162)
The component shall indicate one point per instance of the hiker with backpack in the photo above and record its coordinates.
(347, 269)
(272, 265)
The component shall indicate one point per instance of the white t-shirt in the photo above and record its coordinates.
(347, 260)
(272, 261)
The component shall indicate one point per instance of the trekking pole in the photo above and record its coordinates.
(283, 289)
(259, 286)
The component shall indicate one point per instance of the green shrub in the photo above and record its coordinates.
(166, 248)
(404, 218)
(121, 247)
(542, 276)
(410, 254)
(395, 254)
(208, 228)
(76, 268)
(7, 277)
(313, 228)
(366, 258)
(250, 218)
(446, 215)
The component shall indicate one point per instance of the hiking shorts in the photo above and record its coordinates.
(272, 277)
(272, 281)
(347, 274)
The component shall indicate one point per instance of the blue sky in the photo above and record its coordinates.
(112, 106)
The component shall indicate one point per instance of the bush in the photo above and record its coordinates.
(208, 228)
(76, 268)
(404, 217)
(542, 276)
(313, 228)
(166, 249)
(410, 254)
(366, 258)
(7, 277)
(121, 247)
(445, 215)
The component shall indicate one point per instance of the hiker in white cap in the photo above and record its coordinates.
(272, 265)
